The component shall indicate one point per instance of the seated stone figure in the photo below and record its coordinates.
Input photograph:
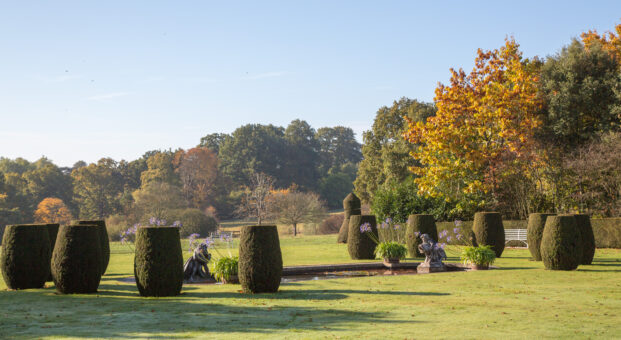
(195, 268)
(434, 255)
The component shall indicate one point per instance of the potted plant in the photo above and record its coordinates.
(391, 252)
(225, 269)
(479, 258)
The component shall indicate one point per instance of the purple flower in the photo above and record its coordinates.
(365, 227)
(457, 223)
(455, 231)
(417, 233)
(208, 242)
(383, 225)
(388, 220)
(448, 239)
(397, 226)
(459, 236)
(153, 221)
(177, 224)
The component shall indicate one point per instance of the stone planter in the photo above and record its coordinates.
(233, 279)
(479, 266)
(391, 260)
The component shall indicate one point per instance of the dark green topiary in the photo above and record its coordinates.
(25, 259)
(260, 259)
(351, 206)
(158, 263)
(103, 240)
(489, 231)
(421, 224)
(360, 245)
(585, 229)
(76, 260)
(561, 248)
(536, 223)
(52, 231)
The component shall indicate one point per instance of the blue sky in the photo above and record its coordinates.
(82, 80)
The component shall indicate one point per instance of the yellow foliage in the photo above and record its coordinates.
(610, 41)
(52, 210)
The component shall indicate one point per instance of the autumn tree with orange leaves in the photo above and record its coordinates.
(198, 170)
(483, 133)
(609, 41)
(52, 210)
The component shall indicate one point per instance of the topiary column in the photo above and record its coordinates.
(534, 232)
(360, 245)
(52, 231)
(260, 259)
(489, 231)
(103, 240)
(25, 259)
(421, 224)
(561, 248)
(351, 206)
(76, 260)
(583, 222)
(158, 261)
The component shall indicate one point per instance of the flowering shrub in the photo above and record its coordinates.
(391, 250)
(391, 231)
(389, 241)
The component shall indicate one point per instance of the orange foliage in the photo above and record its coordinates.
(610, 41)
(52, 210)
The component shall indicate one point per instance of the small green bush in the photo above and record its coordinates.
(25, 259)
(158, 261)
(351, 206)
(536, 223)
(419, 224)
(52, 231)
(360, 245)
(583, 222)
(260, 259)
(391, 250)
(225, 267)
(104, 241)
(76, 260)
(488, 229)
(193, 221)
(561, 248)
(478, 255)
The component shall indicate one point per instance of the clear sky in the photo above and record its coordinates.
(81, 80)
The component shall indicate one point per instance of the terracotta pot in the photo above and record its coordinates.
(479, 267)
(232, 279)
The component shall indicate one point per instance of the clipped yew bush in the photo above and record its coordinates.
(76, 260)
(417, 225)
(534, 232)
(585, 229)
(351, 206)
(360, 245)
(489, 231)
(260, 259)
(561, 248)
(25, 259)
(104, 242)
(52, 231)
(158, 261)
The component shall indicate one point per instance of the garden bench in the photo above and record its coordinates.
(515, 235)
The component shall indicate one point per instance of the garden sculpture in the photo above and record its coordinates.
(434, 254)
(197, 265)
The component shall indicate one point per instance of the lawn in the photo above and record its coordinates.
(519, 300)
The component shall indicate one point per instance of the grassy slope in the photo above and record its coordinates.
(521, 300)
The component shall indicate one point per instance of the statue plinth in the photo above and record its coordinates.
(425, 268)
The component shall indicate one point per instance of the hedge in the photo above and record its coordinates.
(104, 242)
(52, 231)
(421, 224)
(587, 238)
(561, 247)
(158, 261)
(260, 259)
(359, 245)
(488, 229)
(351, 206)
(25, 259)
(536, 223)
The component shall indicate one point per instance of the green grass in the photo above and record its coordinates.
(519, 300)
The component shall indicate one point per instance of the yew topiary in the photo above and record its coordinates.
(359, 244)
(52, 231)
(417, 225)
(561, 248)
(536, 223)
(583, 222)
(158, 261)
(260, 259)
(489, 231)
(104, 242)
(351, 206)
(25, 259)
(76, 260)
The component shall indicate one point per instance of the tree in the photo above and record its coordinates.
(52, 210)
(609, 42)
(294, 207)
(97, 189)
(214, 141)
(198, 171)
(160, 169)
(337, 146)
(483, 132)
(385, 152)
(47, 180)
(256, 198)
(155, 199)
(337, 184)
(302, 155)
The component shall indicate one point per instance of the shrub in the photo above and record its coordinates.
(76, 260)
(52, 231)
(489, 231)
(104, 241)
(194, 221)
(351, 206)
(560, 244)
(225, 268)
(260, 259)
(417, 225)
(360, 245)
(583, 222)
(607, 232)
(536, 222)
(478, 255)
(25, 259)
(158, 261)
(331, 225)
(391, 250)
(115, 225)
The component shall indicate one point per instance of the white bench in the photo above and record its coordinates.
(515, 235)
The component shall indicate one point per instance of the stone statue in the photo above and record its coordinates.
(195, 268)
(434, 255)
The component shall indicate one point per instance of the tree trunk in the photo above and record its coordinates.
(295, 229)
